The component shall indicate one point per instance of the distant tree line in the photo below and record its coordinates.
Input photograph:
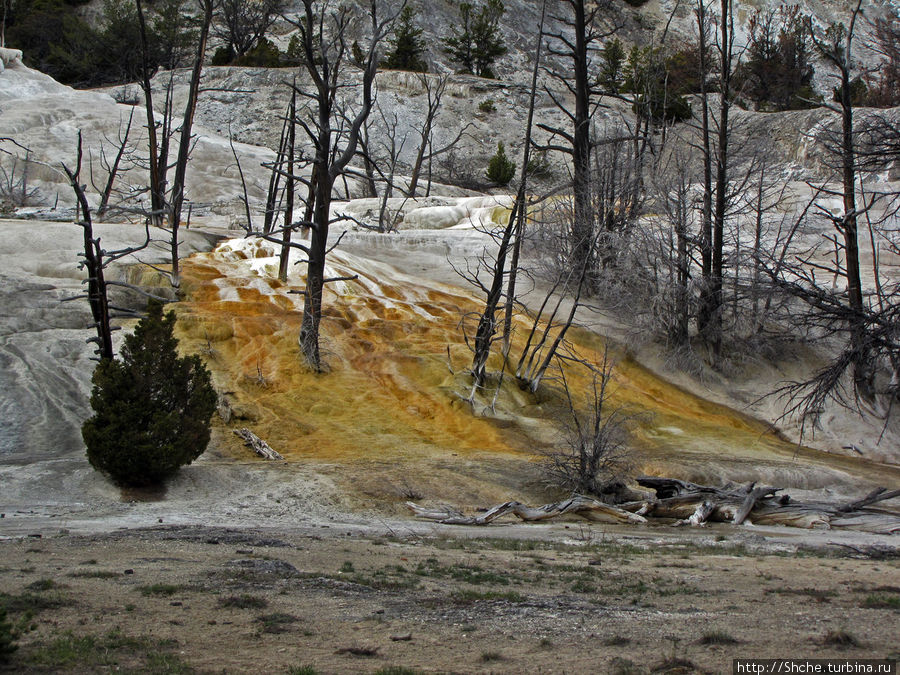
(56, 39)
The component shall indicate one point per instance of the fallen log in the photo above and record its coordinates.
(753, 495)
(876, 495)
(762, 505)
(701, 514)
(585, 507)
(258, 445)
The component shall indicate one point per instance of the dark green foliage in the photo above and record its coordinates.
(151, 408)
(57, 41)
(223, 56)
(501, 169)
(882, 90)
(53, 37)
(7, 646)
(407, 46)
(647, 77)
(242, 24)
(478, 43)
(859, 92)
(612, 66)
(118, 54)
(264, 55)
(777, 72)
(174, 33)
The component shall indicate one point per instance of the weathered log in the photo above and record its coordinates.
(876, 495)
(258, 445)
(701, 514)
(692, 504)
(672, 487)
(753, 495)
(584, 507)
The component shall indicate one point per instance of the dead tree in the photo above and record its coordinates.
(112, 168)
(95, 260)
(290, 156)
(435, 86)
(712, 300)
(576, 44)
(176, 199)
(487, 326)
(334, 133)
(595, 454)
(835, 46)
(168, 200)
(158, 151)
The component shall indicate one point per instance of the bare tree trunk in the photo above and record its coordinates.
(705, 311)
(582, 231)
(289, 191)
(114, 170)
(275, 176)
(520, 197)
(157, 189)
(714, 300)
(324, 67)
(184, 145)
(93, 262)
(862, 371)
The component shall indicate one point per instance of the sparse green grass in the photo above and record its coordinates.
(94, 574)
(620, 666)
(466, 597)
(7, 642)
(302, 670)
(471, 574)
(164, 590)
(674, 664)
(490, 657)
(244, 601)
(617, 641)
(277, 622)
(841, 639)
(43, 585)
(90, 652)
(397, 670)
(818, 594)
(717, 637)
(33, 602)
(582, 586)
(881, 601)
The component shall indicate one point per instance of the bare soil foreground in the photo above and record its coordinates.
(574, 599)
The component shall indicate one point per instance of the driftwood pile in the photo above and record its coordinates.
(695, 505)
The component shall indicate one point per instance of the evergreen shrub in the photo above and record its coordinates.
(152, 408)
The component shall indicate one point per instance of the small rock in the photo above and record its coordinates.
(129, 571)
(244, 551)
(595, 561)
(406, 637)
(176, 603)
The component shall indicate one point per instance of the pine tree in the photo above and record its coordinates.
(407, 45)
(151, 408)
(501, 168)
(478, 43)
